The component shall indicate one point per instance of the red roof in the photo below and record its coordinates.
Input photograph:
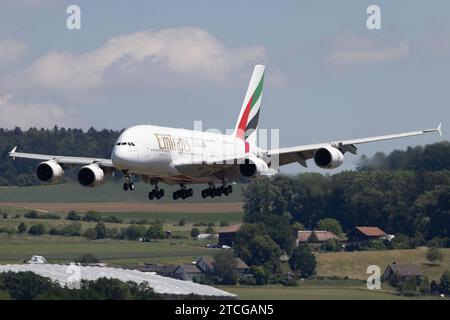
(321, 236)
(371, 231)
(232, 228)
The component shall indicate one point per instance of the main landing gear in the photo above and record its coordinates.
(183, 192)
(156, 193)
(213, 191)
(128, 185)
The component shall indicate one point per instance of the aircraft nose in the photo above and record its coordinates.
(119, 157)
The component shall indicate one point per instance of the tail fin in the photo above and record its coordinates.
(248, 118)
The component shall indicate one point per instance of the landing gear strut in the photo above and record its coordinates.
(128, 185)
(156, 193)
(213, 191)
(183, 192)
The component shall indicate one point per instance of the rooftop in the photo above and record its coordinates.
(371, 231)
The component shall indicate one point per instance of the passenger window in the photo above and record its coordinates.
(118, 144)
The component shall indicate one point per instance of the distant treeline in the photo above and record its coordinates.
(432, 157)
(416, 204)
(70, 142)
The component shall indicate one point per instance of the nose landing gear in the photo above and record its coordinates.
(128, 185)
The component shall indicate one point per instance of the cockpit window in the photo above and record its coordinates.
(125, 143)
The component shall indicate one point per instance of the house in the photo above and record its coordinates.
(359, 236)
(404, 271)
(188, 272)
(366, 234)
(315, 238)
(206, 264)
(228, 234)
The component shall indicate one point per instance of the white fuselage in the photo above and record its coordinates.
(153, 151)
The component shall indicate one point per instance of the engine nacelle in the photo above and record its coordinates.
(253, 167)
(90, 176)
(328, 158)
(49, 171)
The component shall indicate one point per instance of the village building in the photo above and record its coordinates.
(227, 235)
(206, 264)
(403, 271)
(188, 272)
(315, 238)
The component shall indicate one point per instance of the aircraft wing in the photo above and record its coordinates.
(302, 153)
(62, 159)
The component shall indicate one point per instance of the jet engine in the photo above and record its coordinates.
(328, 157)
(49, 171)
(253, 167)
(90, 176)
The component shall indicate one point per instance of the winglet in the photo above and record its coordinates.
(11, 153)
(439, 129)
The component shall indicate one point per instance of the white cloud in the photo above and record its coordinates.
(188, 53)
(11, 50)
(25, 115)
(353, 49)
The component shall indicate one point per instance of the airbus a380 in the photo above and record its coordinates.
(183, 157)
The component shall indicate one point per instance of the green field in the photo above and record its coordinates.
(354, 264)
(73, 192)
(13, 249)
(312, 293)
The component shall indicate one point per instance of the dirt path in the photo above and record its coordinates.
(128, 206)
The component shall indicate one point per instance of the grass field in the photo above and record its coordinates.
(312, 293)
(13, 249)
(73, 192)
(354, 264)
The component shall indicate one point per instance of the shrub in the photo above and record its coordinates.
(31, 215)
(195, 232)
(37, 229)
(72, 215)
(224, 223)
(155, 231)
(87, 258)
(22, 228)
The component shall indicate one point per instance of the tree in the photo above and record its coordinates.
(434, 254)
(195, 232)
(255, 247)
(100, 230)
(37, 229)
(225, 267)
(302, 261)
(444, 283)
(134, 232)
(155, 231)
(72, 215)
(22, 227)
(330, 224)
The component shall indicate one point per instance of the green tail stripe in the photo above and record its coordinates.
(257, 92)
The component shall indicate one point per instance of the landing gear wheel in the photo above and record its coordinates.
(150, 195)
(131, 186)
(230, 189)
(125, 186)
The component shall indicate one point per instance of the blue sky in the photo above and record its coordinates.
(172, 62)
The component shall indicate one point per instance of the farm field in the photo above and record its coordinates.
(354, 264)
(313, 293)
(108, 192)
(56, 249)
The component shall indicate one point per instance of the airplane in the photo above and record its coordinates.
(183, 157)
